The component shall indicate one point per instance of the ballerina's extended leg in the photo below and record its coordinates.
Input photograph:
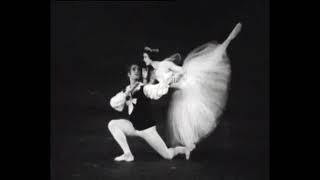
(189, 149)
(202, 93)
(232, 35)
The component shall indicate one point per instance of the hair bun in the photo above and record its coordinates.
(150, 50)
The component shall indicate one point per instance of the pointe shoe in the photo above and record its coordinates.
(188, 154)
(235, 31)
(189, 150)
(125, 157)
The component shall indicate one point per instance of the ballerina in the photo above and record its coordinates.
(200, 90)
(148, 74)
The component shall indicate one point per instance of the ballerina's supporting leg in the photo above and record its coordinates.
(190, 148)
(155, 141)
(119, 129)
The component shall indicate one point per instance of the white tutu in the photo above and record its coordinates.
(202, 94)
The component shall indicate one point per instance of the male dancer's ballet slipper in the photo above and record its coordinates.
(125, 157)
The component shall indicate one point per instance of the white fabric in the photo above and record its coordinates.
(202, 94)
(118, 101)
(155, 91)
(130, 103)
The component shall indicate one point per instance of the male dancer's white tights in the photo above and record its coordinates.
(121, 128)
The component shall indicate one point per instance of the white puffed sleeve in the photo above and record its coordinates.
(155, 91)
(118, 101)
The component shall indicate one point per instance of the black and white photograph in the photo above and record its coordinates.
(159, 90)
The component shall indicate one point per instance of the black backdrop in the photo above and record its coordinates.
(91, 42)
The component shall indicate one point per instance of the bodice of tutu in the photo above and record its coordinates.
(163, 73)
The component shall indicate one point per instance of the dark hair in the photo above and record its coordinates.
(152, 53)
(128, 66)
(150, 70)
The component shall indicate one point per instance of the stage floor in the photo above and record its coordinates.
(88, 154)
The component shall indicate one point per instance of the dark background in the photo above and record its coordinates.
(91, 42)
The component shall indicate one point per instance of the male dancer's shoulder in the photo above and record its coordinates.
(125, 88)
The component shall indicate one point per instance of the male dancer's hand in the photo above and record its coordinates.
(129, 90)
(132, 88)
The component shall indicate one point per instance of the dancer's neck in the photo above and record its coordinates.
(133, 81)
(154, 64)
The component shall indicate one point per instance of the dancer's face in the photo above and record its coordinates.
(135, 72)
(146, 59)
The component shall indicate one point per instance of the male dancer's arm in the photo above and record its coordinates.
(118, 101)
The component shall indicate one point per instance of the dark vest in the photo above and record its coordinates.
(141, 116)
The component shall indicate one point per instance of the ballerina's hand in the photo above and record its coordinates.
(144, 73)
(177, 77)
(174, 79)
